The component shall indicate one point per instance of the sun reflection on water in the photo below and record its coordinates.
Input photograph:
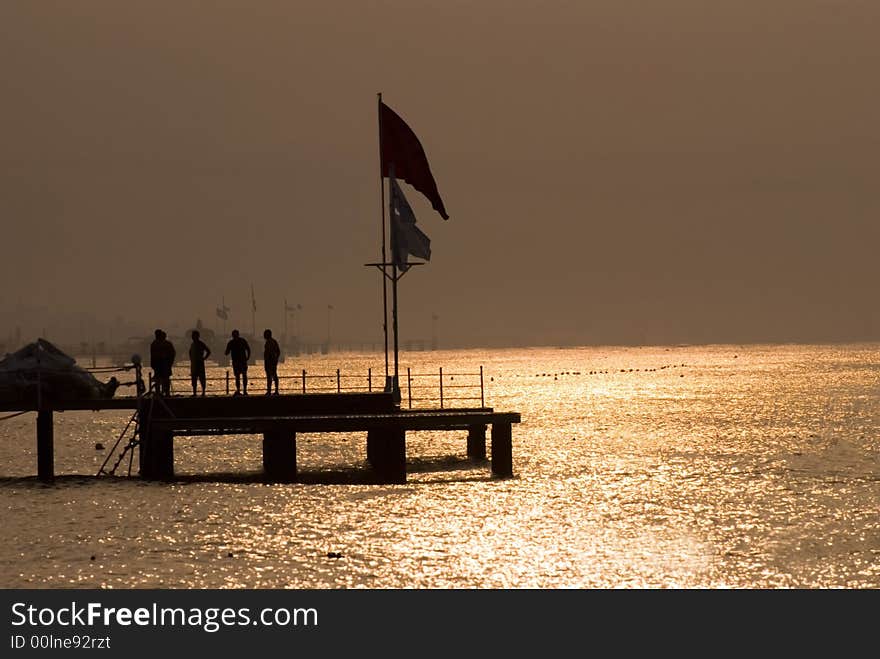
(635, 467)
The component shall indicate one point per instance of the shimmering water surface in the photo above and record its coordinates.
(710, 466)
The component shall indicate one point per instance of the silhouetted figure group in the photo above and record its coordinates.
(162, 355)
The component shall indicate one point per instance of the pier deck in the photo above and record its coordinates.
(279, 419)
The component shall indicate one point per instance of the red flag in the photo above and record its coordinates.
(401, 148)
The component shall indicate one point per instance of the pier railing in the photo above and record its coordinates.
(450, 392)
(418, 389)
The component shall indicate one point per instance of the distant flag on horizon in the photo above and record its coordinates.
(223, 312)
(253, 299)
(406, 237)
(401, 149)
(291, 307)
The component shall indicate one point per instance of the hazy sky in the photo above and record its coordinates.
(615, 171)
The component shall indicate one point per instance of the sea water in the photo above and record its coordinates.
(720, 466)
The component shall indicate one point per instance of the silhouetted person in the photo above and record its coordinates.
(198, 353)
(271, 355)
(239, 352)
(162, 355)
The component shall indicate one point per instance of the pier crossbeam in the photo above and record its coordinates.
(420, 420)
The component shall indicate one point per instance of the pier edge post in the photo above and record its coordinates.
(45, 445)
(502, 450)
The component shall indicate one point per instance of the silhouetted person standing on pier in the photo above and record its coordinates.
(271, 355)
(239, 352)
(162, 355)
(198, 353)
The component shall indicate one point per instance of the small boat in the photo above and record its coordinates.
(41, 372)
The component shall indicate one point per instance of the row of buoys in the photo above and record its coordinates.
(605, 372)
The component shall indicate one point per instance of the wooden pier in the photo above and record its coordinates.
(279, 419)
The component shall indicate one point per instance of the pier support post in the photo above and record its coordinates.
(386, 452)
(476, 442)
(143, 424)
(279, 455)
(156, 447)
(45, 445)
(157, 455)
(502, 450)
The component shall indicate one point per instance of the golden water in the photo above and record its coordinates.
(710, 466)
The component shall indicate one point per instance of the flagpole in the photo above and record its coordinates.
(395, 387)
(382, 216)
